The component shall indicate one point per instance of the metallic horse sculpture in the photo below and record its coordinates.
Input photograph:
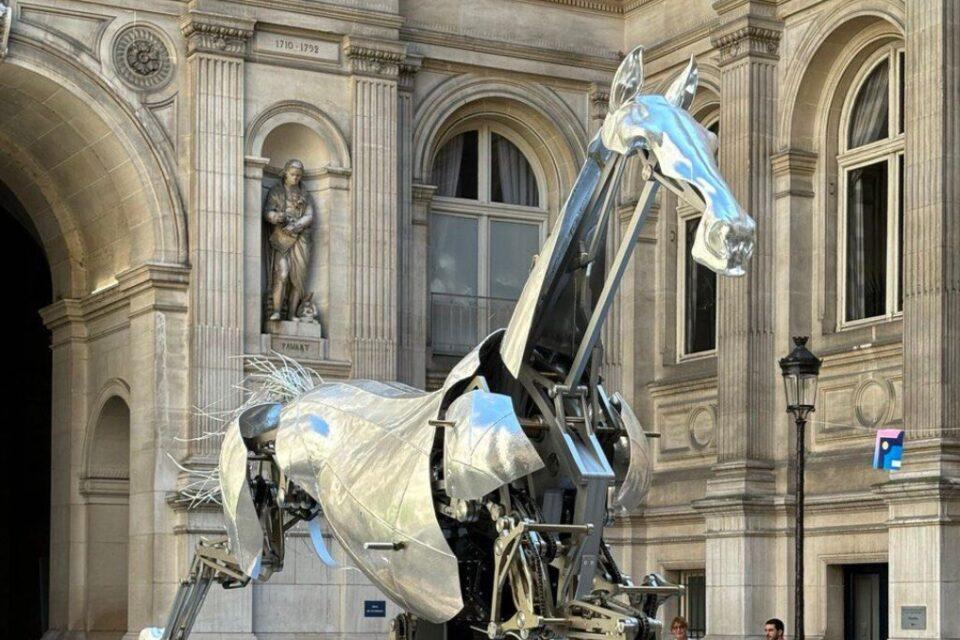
(481, 506)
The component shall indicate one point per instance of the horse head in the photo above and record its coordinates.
(679, 153)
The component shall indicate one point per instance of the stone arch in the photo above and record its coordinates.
(817, 82)
(815, 64)
(108, 175)
(296, 114)
(105, 484)
(554, 132)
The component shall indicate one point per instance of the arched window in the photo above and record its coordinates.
(870, 165)
(697, 286)
(487, 221)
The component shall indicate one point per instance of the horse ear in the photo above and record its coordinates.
(628, 79)
(684, 86)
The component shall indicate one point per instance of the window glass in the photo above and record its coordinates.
(695, 604)
(512, 180)
(455, 167)
(700, 298)
(512, 247)
(870, 115)
(866, 241)
(453, 283)
(900, 233)
(901, 61)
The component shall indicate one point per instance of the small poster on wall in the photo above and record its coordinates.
(888, 452)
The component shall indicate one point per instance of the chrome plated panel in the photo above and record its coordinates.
(240, 516)
(486, 447)
(636, 483)
(362, 449)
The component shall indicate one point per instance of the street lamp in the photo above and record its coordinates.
(800, 370)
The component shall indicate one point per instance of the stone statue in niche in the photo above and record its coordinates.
(289, 211)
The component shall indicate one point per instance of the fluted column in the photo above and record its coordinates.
(924, 499)
(215, 49)
(742, 519)
(412, 340)
(375, 67)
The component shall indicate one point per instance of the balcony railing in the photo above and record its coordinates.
(458, 322)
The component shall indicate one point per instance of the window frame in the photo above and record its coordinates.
(483, 209)
(684, 213)
(886, 150)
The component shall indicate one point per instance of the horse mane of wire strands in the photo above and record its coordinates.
(480, 508)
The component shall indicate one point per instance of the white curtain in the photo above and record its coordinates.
(870, 111)
(517, 183)
(446, 167)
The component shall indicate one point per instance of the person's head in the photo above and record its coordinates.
(678, 628)
(773, 629)
(292, 172)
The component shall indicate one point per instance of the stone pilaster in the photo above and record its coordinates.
(924, 499)
(215, 48)
(419, 297)
(375, 69)
(68, 420)
(412, 368)
(742, 521)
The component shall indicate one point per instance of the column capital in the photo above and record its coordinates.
(748, 35)
(215, 33)
(374, 57)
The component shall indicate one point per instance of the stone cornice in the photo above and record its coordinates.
(216, 34)
(754, 37)
(152, 278)
(615, 7)
(426, 34)
(373, 58)
(794, 161)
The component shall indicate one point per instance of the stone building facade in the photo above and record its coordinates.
(138, 140)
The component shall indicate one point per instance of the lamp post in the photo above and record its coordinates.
(800, 370)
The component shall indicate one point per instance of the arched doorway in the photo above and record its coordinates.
(25, 541)
(106, 488)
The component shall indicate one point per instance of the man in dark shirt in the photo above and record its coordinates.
(773, 629)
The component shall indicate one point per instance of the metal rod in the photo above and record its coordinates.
(798, 536)
(612, 282)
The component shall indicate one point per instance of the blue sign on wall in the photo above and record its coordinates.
(374, 608)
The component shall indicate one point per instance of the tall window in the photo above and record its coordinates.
(693, 606)
(697, 303)
(487, 222)
(871, 179)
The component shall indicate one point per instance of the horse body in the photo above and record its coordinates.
(481, 505)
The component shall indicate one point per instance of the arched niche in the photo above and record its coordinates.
(294, 130)
(105, 488)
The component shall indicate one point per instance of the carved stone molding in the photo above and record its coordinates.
(211, 33)
(373, 58)
(759, 40)
(599, 101)
(408, 71)
(6, 21)
(141, 57)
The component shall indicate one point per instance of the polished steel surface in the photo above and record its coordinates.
(362, 449)
(484, 447)
(677, 152)
(635, 483)
(499, 483)
(240, 514)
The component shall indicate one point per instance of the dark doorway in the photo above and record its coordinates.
(25, 491)
(865, 602)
